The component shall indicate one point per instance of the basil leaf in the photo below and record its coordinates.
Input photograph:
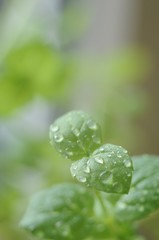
(75, 135)
(62, 212)
(108, 169)
(143, 198)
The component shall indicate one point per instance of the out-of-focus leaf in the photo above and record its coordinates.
(118, 68)
(143, 198)
(61, 212)
(33, 69)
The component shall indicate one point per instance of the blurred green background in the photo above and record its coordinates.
(56, 56)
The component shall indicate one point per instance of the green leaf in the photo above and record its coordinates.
(75, 135)
(62, 212)
(143, 198)
(109, 169)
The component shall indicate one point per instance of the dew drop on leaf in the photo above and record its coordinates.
(99, 160)
(109, 155)
(76, 132)
(92, 125)
(54, 128)
(96, 139)
(87, 169)
(58, 138)
(119, 155)
(127, 163)
(82, 179)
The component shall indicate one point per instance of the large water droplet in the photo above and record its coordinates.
(54, 128)
(58, 137)
(82, 179)
(74, 167)
(88, 162)
(87, 169)
(119, 155)
(73, 173)
(96, 139)
(127, 163)
(92, 125)
(102, 149)
(125, 151)
(108, 180)
(109, 155)
(99, 160)
(76, 132)
(106, 177)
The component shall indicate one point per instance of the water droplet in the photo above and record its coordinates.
(99, 160)
(74, 167)
(127, 163)
(129, 174)
(106, 177)
(125, 151)
(109, 155)
(54, 128)
(102, 149)
(70, 153)
(92, 125)
(76, 132)
(73, 171)
(103, 173)
(58, 138)
(73, 174)
(96, 139)
(82, 179)
(119, 155)
(87, 169)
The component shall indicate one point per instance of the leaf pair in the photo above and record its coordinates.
(66, 211)
(78, 137)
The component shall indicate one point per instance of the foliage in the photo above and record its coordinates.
(31, 70)
(70, 211)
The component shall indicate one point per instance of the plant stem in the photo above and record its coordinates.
(98, 195)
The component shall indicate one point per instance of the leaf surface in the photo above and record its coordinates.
(75, 135)
(108, 169)
(143, 198)
(62, 212)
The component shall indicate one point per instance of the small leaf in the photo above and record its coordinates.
(61, 212)
(109, 169)
(75, 135)
(143, 197)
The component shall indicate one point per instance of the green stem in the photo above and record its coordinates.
(99, 197)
